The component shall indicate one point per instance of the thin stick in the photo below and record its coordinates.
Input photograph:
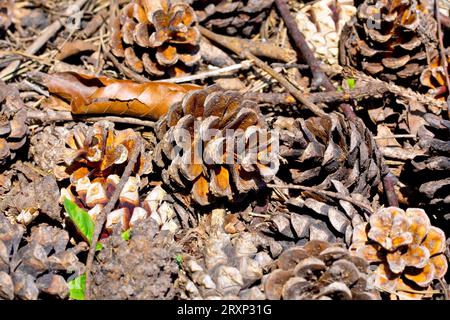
(319, 77)
(324, 192)
(101, 218)
(126, 71)
(49, 32)
(212, 73)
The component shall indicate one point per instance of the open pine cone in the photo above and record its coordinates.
(392, 40)
(330, 154)
(232, 17)
(39, 267)
(409, 251)
(319, 271)
(226, 149)
(13, 127)
(158, 37)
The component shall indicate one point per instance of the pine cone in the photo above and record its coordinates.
(158, 37)
(13, 128)
(217, 132)
(330, 154)
(224, 267)
(429, 174)
(433, 77)
(319, 271)
(409, 251)
(391, 40)
(40, 267)
(6, 14)
(321, 23)
(143, 268)
(241, 17)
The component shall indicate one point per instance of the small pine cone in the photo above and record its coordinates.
(242, 17)
(429, 173)
(433, 77)
(42, 266)
(319, 271)
(99, 151)
(226, 148)
(47, 147)
(330, 154)
(224, 267)
(13, 127)
(407, 249)
(391, 40)
(143, 268)
(158, 37)
(321, 23)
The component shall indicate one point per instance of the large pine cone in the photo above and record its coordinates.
(225, 267)
(38, 268)
(142, 268)
(319, 271)
(433, 77)
(242, 17)
(158, 37)
(407, 249)
(329, 154)
(226, 149)
(391, 40)
(13, 128)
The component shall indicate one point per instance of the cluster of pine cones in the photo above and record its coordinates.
(303, 197)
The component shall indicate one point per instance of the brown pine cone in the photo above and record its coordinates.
(407, 249)
(319, 271)
(327, 154)
(40, 267)
(158, 37)
(242, 17)
(391, 40)
(226, 148)
(13, 127)
(143, 268)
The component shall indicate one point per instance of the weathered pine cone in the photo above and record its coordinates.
(319, 271)
(242, 17)
(158, 37)
(329, 154)
(225, 267)
(429, 173)
(41, 267)
(408, 250)
(13, 127)
(321, 22)
(391, 40)
(226, 148)
(143, 268)
(433, 77)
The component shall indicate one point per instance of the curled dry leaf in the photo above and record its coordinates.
(90, 95)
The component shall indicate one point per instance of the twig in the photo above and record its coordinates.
(389, 189)
(271, 98)
(286, 84)
(100, 221)
(126, 71)
(319, 77)
(324, 192)
(212, 73)
(42, 39)
(442, 51)
(260, 49)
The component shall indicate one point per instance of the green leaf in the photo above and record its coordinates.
(77, 288)
(179, 260)
(339, 89)
(351, 83)
(126, 235)
(82, 220)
